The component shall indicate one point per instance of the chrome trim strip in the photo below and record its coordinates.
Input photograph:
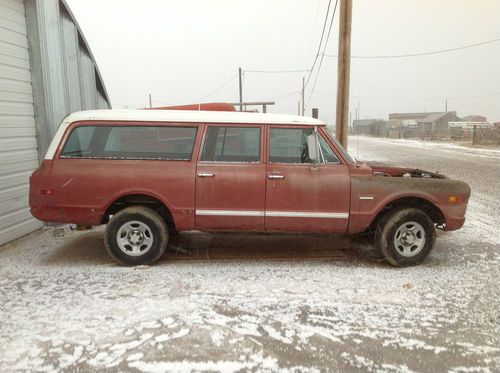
(366, 197)
(275, 214)
(229, 213)
(303, 214)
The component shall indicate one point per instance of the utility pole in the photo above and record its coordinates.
(303, 94)
(241, 88)
(298, 107)
(150, 101)
(446, 105)
(344, 70)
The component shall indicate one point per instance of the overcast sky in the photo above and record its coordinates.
(181, 51)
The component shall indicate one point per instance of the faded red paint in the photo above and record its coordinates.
(212, 106)
(81, 190)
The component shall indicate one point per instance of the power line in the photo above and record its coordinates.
(162, 102)
(277, 71)
(319, 45)
(280, 97)
(411, 98)
(324, 48)
(218, 89)
(315, 23)
(422, 53)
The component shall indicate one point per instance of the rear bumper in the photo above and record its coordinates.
(75, 215)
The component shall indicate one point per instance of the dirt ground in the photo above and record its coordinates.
(265, 303)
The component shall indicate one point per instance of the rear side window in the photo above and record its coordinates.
(289, 145)
(232, 144)
(78, 144)
(131, 142)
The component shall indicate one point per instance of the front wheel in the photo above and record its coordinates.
(136, 235)
(405, 237)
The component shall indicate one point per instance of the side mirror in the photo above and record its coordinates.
(312, 147)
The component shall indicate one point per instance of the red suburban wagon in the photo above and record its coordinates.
(148, 174)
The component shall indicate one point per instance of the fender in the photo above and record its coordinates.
(370, 194)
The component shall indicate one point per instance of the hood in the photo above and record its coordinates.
(389, 171)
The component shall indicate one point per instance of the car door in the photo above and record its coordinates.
(230, 178)
(302, 195)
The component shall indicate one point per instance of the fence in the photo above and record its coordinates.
(476, 135)
(486, 136)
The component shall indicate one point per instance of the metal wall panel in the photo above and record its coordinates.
(46, 72)
(62, 66)
(18, 144)
(70, 52)
(87, 80)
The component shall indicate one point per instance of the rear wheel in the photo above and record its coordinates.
(136, 235)
(405, 237)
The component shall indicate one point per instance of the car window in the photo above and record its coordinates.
(231, 144)
(289, 145)
(327, 152)
(131, 142)
(78, 143)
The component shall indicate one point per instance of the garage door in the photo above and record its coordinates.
(18, 145)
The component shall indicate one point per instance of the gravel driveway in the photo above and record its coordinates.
(287, 303)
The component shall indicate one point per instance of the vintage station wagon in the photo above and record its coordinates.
(149, 174)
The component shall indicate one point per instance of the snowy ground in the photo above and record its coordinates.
(307, 304)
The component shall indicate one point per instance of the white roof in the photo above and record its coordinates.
(176, 116)
(190, 116)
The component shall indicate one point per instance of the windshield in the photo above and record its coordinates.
(341, 148)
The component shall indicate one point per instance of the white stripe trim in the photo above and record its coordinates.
(229, 213)
(366, 197)
(275, 214)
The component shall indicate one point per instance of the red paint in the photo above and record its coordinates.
(81, 190)
(213, 106)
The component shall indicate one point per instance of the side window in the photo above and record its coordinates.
(131, 142)
(328, 154)
(231, 144)
(289, 145)
(148, 142)
(78, 143)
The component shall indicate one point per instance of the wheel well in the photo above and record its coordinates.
(140, 200)
(429, 208)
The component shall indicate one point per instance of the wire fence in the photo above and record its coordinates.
(475, 135)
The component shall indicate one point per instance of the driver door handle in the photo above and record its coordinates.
(272, 176)
(204, 174)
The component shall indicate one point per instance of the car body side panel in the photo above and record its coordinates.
(370, 194)
(83, 189)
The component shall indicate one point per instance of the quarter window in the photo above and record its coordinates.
(232, 144)
(131, 142)
(78, 144)
(327, 152)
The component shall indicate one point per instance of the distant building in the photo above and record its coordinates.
(474, 118)
(368, 127)
(46, 72)
(469, 125)
(426, 122)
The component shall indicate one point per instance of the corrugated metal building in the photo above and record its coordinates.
(46, 72)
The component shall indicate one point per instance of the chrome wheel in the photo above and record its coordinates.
(409, 239)
(134, 238)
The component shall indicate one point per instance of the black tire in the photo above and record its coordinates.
(144, 236)
(405, 237)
